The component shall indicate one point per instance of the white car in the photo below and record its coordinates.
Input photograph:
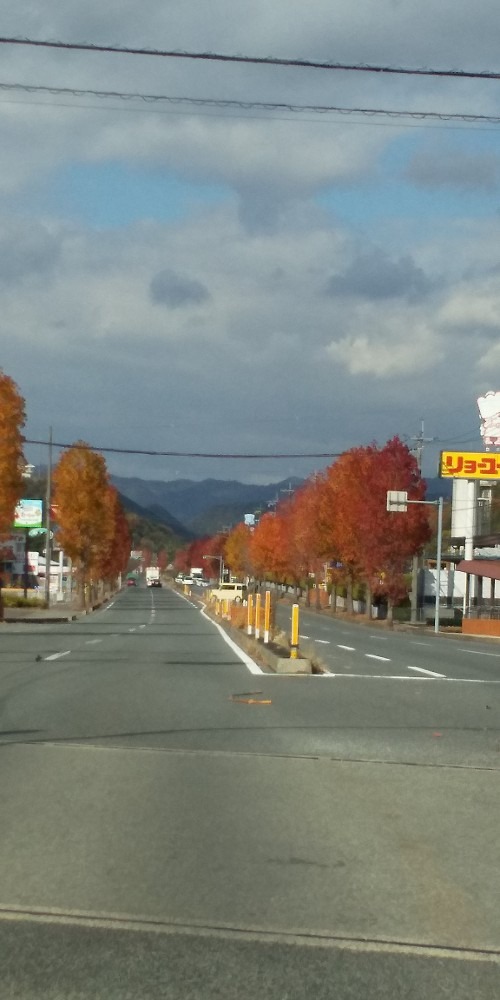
(229, 592)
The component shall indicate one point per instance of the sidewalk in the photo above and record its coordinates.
(39, 616)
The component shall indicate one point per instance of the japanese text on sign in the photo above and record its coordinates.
(469, 465)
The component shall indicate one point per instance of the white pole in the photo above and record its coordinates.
(438, 563)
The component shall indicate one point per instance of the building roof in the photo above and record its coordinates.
(489, 568)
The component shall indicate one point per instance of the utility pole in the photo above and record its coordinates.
(420, 440)
(48, 546)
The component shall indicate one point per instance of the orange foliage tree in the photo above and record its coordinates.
(12, 417)
(237, 550)
(373, 545)
(84, 511)
(268, 548)
(115, 554)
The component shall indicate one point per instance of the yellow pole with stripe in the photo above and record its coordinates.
(294, 641)
(267, 615)
(250, 614)
(258, 603)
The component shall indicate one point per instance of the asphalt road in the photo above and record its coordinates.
(177, 824)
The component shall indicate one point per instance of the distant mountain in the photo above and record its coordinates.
(202, 507)
(158, 525)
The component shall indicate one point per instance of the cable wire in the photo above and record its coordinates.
(253, 60)
(215, 102)
(182, 454)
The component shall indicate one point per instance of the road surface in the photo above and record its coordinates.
(177, 824)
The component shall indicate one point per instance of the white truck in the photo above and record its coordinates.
(153, 576)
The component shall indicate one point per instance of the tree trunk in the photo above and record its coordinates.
(390, 616)
(368, 599)
(318, 595)
(349, 599)
(334, 599)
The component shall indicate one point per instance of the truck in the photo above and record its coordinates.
(153, 576)
(196, 573)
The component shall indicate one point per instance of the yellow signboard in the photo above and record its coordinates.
(469, 465)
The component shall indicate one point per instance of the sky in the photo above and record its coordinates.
(197, 278)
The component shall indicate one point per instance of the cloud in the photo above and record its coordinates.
(176, 290)
(28, 249)
(373, 275)
(454, 168)
(384, 354)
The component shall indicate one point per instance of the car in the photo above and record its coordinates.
(131, 582)
(236, 592)
(188, 581)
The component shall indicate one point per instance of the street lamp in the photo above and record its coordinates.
(221, 566)
(397, 500)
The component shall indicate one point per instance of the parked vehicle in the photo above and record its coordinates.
(230, 592)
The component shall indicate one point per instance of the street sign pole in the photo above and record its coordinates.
(48, 546)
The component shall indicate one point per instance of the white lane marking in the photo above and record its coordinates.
(373, 656)
(422, 670)
(56, 656)
(350, 649)
(302, 636)
(383, 638)
(406, 677)
(142, 626)
(324, 642)
(90, 642)
(389, 677)
(109, 606)
(132, 630)
(478, 652)
(414, 642)
(249, 663)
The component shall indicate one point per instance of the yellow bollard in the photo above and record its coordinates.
(267, 616)
(258, 603)
(294, 641)
(250, 614)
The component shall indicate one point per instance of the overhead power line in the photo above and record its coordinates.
(182, 454)
(253, 60)
(215, 102)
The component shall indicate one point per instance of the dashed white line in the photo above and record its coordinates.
(415, 643)
(302, 636)
(324, 642)
(373, 656)
(430, 673)
(350, 649)
(478, 652)
(91, 642)
(56, 656)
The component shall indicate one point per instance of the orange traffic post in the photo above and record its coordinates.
(294, 641)
(258, 604)
(250, 614)
(267, 616)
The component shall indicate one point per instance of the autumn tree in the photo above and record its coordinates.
(84, 512)
(391, 539)
(12, 417)
(268, 548)
(237, 550)
(115, 554)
